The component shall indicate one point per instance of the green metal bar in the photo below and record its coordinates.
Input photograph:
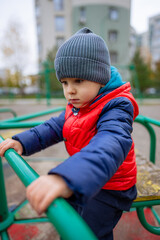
(32, 220)
(137, 85)
(3, 199)
(152, 142)
(146, 203)
(11, 125)
(65, 219)
(4, 235)
(2, 110)
(145, 122)
(146, 225)
(155, 215)
(7, 222)
(34, 115)
(141, 118)
(47, 82)
(21, 205)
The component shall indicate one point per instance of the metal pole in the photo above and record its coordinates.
(3, 200)
(136, 81)
(47, 81)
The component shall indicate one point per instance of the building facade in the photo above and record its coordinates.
(58, 19)
(143, 46)
(154, 38)
(132, 43)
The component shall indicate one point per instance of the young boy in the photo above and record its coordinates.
(98, 179)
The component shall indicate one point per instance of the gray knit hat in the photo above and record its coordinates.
(85, 55)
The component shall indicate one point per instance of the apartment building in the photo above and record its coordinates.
(58, 19)
(132, 43)
(143, 45)
(154, 38)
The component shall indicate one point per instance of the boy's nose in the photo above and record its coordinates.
(71, 89)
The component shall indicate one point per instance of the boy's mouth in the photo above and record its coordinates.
(74, 101)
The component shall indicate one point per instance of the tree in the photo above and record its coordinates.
(14, 52)
(143, 72)
(49, 65)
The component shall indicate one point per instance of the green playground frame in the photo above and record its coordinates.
(65, 219)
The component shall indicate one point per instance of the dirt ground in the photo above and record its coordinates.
(15, 190)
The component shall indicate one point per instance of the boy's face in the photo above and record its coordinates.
(80, 92)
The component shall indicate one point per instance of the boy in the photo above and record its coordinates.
(98, 179)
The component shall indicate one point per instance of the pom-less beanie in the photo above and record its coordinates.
(84, 55)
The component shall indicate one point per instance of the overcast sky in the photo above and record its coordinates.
(23, 11)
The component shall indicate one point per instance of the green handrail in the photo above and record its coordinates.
(2, 110)
(3, 202)
(146, 225)
(34, 115)
(145, 121)
(65, 219)
(13, 125)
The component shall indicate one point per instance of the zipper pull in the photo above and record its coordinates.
(75, 111)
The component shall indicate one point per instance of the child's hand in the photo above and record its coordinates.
(10, 143)
(45, 189)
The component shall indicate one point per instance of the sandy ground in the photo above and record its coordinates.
(15, 190)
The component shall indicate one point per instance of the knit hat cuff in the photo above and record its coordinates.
(83, 68)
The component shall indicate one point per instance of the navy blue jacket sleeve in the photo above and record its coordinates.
(87, 171)
(42, 136)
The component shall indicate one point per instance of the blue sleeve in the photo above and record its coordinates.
(42, 136)
(87, 171)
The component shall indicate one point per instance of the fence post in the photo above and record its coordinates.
(47, 82)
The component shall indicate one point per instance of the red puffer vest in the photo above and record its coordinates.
(78, 131)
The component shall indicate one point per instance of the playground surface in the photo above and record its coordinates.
(128, 228)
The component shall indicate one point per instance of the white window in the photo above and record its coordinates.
(114, 57)
(39, 47)
(59, 23)
(113, 13)
(37, 10)
(113, 35)
(82, 19)
(58, 5)
(38, 29)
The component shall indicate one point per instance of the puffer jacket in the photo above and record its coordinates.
(80, 127)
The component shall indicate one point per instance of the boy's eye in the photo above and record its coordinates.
(64, 82)
(78, 80)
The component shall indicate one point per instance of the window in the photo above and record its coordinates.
(59, 23)
(113, 13)
(114, 57)
(38, 29)
(39, 47)
(158, 21)
(59, 5)
(113, 35)
(82, 19)
(37, 10)
(59, 41)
